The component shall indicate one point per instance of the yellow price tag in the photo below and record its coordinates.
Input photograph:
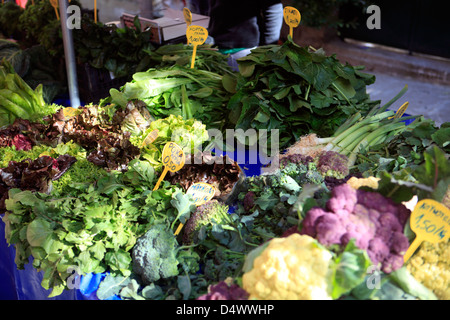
(69, 112)
(187, 16)
(292, 17)
(54, 4)
(173, 160)
(150, 138)
(196, 35)
(201, 192)
(430, 220)
(401, 111)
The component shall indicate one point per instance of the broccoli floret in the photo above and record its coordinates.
(155, 255)
(333, 164)
(204, 216)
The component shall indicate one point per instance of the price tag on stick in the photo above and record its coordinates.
(54, 4)
(69, 112)
(430, 220)
(150, 138)
(187, 17)
(95, 11)
(196, 35)
(292, 17)
(201, 193)
(173, 160)
(401, 111)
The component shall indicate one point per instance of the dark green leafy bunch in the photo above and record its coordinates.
(297, 91)
(121, 51)
(37, 23)
(9, 18)
(207, 58)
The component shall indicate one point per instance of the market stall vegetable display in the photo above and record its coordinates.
(77, 184)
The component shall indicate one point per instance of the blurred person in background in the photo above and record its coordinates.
(245, 23)
(237, 26)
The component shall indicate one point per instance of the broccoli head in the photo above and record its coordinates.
(333, 164)
(204, 216)
(155, 254)
(374, 221)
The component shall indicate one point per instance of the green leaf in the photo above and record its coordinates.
(184, 284)
(119, 261)
(349, 269)
(184, 205)
(152, 292)
(410, 285)
(111, 286)
(98, 250)
(442, 137)
(38, 232)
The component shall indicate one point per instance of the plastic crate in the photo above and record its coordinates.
(94, 84)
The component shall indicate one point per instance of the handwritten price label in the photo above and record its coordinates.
(201, 192)
(173, 159)
(430, 220)
(69, 112)
(292, 17)
(150, 138)
(196, 35)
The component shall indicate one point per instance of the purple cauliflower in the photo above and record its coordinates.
(374, 221)
(224, 291)
(295, 158)
(249, 201)
(333, 164)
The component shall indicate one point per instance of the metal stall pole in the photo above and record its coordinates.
(69, 54)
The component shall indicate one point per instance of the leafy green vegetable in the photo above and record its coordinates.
(405, 150)
(297, 91)
(18, 100)
(430, 180)
(349, 269)
(9, 18)
(180, 91)
(189, 134)
(207, 58)
(122, 51)
(92, 226)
